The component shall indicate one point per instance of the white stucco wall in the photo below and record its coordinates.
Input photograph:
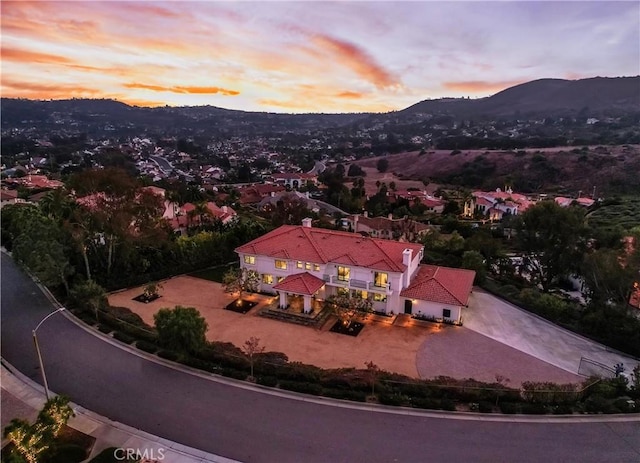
(434, 309)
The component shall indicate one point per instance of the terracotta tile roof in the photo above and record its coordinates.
(483, 202)
(443, 285)
(324, 246)
(300, 283)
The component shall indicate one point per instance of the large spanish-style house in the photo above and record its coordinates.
(495, 204)
(315, 263)
(294, 180)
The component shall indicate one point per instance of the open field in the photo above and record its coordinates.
(625, 214)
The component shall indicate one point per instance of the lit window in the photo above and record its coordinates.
(359, 294)
(343, 273)
(378, 297)
(267, 279)
(299, 264)
(316, 268)
(381, 279)
(343, 292)
(251, 260)
(281, 264)
(307, 266)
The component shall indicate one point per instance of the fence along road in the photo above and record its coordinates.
(250, 426)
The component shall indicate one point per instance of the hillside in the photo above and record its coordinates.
(598, 95)
(611, 169)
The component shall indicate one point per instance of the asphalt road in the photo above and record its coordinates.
(253, 427)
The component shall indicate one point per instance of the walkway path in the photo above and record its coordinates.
(504, 322)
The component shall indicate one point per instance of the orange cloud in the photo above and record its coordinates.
(182, 89)
(25, 56)
(20, 89)
(357, 60)
(480, 86)
(348, 94)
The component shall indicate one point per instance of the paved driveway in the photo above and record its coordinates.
(521, 330)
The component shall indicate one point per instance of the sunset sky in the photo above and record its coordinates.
(307, 56)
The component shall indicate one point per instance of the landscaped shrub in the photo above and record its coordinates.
(273, 358)
(65, 454)
(199, 364)
(393, 399)
(533, 409)
(169, 355)
(485, 407)
(123, 314)
(599, 404)
(562, 409)
(147, 346)
(623, 405)
(428, 403)
(269, 381)
(233, 373)
(345, 394)
(122, 337)
(508, 408)
(447, 404)
(105, 329)
(305, 388)
(301, 372)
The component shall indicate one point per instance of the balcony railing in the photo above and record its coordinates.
(356, 284)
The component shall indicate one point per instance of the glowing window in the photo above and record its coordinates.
(251, 260)
(281, 264)
(343, 273)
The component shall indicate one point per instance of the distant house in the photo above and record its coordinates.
(294, 180)
(33, 182)
(580, 201)
(315, 263)
(9, 197)
(403, 229)
(433, 204)
(495, 204)
(253, 194)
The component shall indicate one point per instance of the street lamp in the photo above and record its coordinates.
(35, 341)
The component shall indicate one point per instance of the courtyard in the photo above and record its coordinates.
(409, 347)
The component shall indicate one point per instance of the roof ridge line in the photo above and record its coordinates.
(444, 287)
(313, 243)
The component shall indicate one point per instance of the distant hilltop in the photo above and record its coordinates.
(545, 96)
(598, 96)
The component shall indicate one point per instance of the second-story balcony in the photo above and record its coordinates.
(356, 284)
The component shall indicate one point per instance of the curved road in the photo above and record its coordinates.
(254, 427)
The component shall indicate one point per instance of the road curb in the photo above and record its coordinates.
(88, 422)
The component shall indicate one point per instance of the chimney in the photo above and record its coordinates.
(407, 255)
(355, 223)
(390, 216)
(306, 222)
(225, 209)
(366, 213)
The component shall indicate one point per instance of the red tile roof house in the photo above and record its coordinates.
(385, 227)
(294, 180)
(316, 263)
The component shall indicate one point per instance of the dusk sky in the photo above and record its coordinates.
(307, 56)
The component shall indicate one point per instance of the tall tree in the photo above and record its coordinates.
(552, 239)
(181, 329)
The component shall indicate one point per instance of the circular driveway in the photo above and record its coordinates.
(251, 426)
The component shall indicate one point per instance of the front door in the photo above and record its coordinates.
(408, 305)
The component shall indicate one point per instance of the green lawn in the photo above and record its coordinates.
(626, 214)
(213, 273)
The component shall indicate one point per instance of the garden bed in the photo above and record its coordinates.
(351, 329)
(145, 298)
(241, 306)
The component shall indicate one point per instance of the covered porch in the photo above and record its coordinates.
(301, 293)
